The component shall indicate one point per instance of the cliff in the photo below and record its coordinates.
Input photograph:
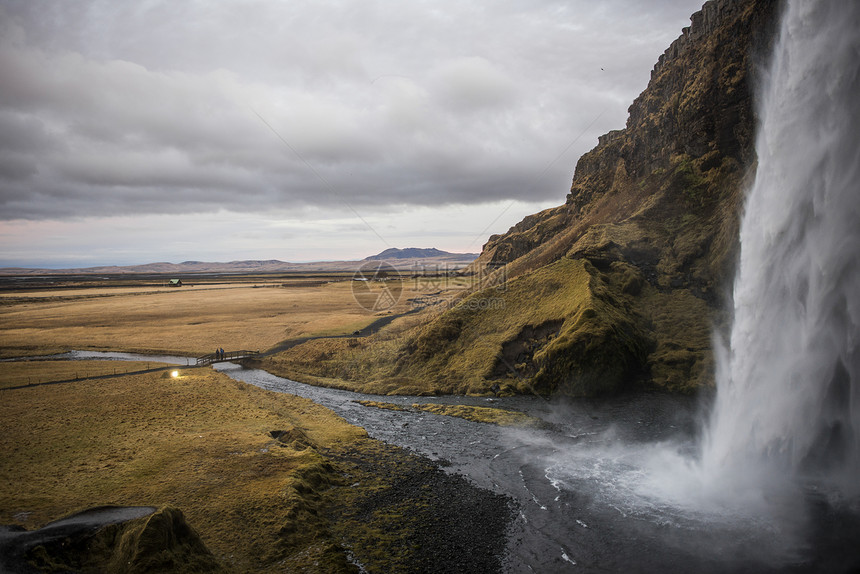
(688, 138)
(622, 284)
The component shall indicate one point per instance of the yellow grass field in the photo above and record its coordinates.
(16, 374)
(200, 442)
(189, 321)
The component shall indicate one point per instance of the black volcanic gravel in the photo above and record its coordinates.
(436, 522)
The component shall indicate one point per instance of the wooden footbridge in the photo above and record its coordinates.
(225, 356)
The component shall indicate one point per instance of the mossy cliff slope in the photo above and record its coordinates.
(651, 223)
(623, 283)
(655, 207)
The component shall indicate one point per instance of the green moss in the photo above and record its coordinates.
(160, 542)
(689, 178)
(681, 359)
(489, 415)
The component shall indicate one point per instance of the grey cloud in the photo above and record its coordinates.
(16, 167)
(23, 134)
(125, 107)
(472, 83)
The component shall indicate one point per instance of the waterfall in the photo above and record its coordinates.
(788, 380)
(773, 484)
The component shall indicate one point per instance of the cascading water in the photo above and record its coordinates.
(788, 391)
(776, 478)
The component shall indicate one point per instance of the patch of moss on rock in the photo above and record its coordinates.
(159, 542)
(489, 415)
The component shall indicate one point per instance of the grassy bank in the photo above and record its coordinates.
(562, 328)
(271, 482)
(489, 415)
(200, 442)
(16, 374)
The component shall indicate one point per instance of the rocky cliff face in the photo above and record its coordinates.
(653, 215)
(695, 116)
(622, 284)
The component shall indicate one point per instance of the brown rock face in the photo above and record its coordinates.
(695, 116)
(661, 198)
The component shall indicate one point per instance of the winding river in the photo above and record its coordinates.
(563, 523)
(605, 486)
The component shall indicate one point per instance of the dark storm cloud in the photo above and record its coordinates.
(128, 107)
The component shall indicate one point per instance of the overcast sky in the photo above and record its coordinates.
(141, 131)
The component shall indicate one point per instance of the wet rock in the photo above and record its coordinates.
(418, 518)
(108, 539)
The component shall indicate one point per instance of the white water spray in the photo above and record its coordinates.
(786, 420)
(788, 386)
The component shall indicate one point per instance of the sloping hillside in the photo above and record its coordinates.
(624, 283)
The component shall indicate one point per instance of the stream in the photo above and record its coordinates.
(557, 529)
(606, 487)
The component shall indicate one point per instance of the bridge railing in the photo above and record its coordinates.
(226, 356)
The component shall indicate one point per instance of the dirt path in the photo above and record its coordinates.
(365, 332)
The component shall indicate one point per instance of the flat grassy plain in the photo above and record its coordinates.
(271, 482)
(16, 374)
(200, 442)
(190, 320)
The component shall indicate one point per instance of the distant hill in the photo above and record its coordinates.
(400, 258)
(164, 267)
(419, 253)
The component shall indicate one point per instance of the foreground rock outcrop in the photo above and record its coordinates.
(109, 539)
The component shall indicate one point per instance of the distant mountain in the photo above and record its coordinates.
(419, 253)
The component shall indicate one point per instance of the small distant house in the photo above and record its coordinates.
(174, 283)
